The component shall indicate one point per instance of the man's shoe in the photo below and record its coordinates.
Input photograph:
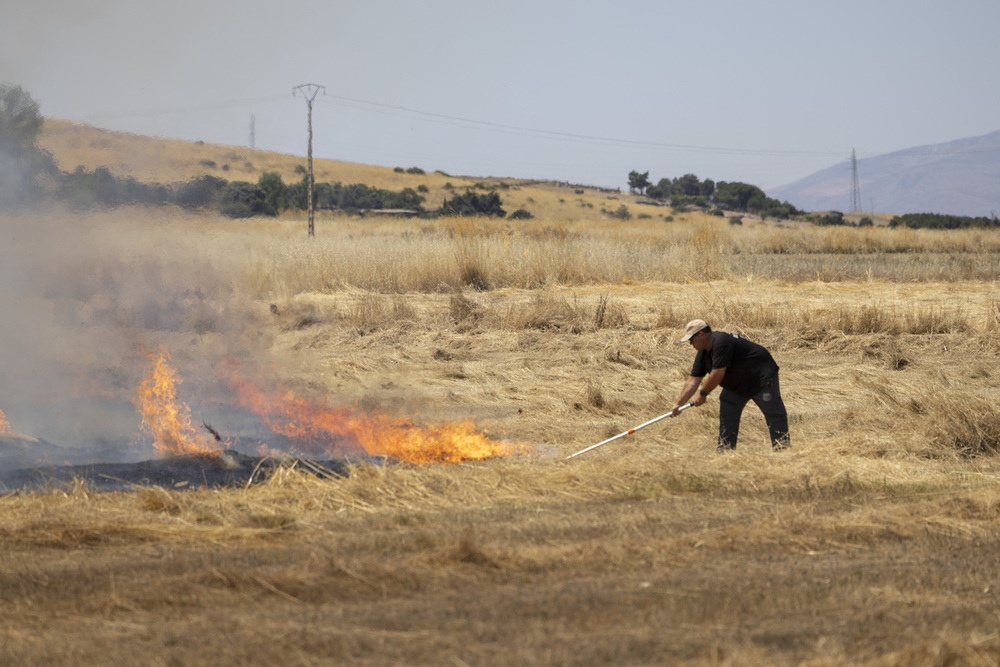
(725, 448)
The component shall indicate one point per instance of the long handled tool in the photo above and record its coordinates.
(630, 431)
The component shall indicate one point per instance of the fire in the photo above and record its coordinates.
(5, 428)
(313, 429)
(325, 430)
(166, 419)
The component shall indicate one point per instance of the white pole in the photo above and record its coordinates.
(630, 431)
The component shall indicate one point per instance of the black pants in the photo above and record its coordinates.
(768, 400)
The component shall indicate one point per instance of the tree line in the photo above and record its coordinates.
(689, 190)
(235, 199)
(941, 221)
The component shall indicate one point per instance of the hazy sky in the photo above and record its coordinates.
(765, 92)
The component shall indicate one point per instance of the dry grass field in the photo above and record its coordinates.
(872, 540)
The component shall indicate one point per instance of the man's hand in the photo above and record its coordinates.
(699, 400)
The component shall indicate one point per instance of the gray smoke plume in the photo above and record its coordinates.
(83, 301)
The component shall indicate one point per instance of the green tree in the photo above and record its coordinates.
(687, 185)
(638, 182)
(662, 189)
(275, 192)
(297, 193)
(22, 162)
(472, 204)
(241, 199)
(736, 196)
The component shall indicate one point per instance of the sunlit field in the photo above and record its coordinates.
(872, 540)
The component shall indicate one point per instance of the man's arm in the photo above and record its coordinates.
(711, 382)
(687, 392)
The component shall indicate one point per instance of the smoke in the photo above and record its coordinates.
(83, 300)
(10, 179)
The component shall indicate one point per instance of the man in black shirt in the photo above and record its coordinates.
(746, 372)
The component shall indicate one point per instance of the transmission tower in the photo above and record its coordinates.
(253, 132)
(855, 188)
(309, 92)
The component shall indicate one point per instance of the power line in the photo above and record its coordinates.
(571, 136)
(517, 130)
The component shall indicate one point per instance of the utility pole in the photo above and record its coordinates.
(253, 132)
(310, 91)
(855, 188)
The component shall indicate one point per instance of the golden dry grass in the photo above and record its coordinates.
(871, 541)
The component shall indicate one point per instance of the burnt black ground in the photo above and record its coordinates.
(229, 469)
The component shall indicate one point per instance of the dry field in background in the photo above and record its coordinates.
(873, 540)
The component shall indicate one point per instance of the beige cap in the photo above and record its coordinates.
(693, 327)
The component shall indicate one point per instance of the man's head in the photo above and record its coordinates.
(698, 333)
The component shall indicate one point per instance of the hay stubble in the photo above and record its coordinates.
(872, 540)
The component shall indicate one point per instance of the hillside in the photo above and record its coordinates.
(162, 160)
(959, 177)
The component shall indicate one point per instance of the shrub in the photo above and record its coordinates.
(200, 191)
(473, 204)
(83, 189)
(831, 219)
(240, 199)
(621, 213)
(520, 214)
(415, 170)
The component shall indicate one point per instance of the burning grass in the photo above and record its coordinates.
(312, 429)
(164, 418)
(321, 430)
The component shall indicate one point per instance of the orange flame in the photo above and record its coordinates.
(5, 428)
(166, 419)
(326, 430)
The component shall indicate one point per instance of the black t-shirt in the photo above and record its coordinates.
(746, 363)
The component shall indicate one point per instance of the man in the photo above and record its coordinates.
(745, 371)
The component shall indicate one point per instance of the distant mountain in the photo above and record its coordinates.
(960, 177)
